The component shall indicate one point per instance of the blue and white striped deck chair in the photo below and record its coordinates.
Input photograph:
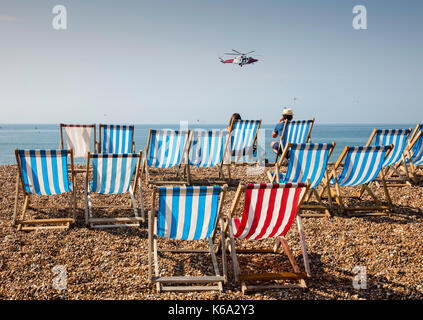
(398, 138)
(244, 139)
(208, 149)
(166, 149)
(44, 173)
(295, 131)
(186, 213)
(114, 174)
(116, 138)
(307, 163)
(362, 165)
(414, 152)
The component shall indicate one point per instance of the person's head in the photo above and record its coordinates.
(287, 114)
(235, 116)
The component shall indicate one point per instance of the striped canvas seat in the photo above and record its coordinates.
(362, 165)
(113, 173)
(207, 147)
(396, 137)
(308, 161)
(166, 148)
(269, 210)
(244, 133)
(116, 138)
(416, 147)
(78, 138)
(297, 131)
(417, 151)
(45, 172)
(187, 213)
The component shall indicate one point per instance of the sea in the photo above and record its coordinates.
(47, 136)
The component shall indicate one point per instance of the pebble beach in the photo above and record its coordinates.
(113, 263)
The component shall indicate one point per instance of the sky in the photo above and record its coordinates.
(157, 61)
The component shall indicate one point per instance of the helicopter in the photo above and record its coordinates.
(241, 58)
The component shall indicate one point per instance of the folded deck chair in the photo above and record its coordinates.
(295, 131)
(396, 158)
(207, 149)
(44, 173)
(186, 214)
(414, 152)
(269, 212)
(307, 162)
(114, 174)
(166, 149)
(116, 139)
(362, 165)
(244, 140)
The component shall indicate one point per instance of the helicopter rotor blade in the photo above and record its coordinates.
(236, 51)
(232, 54)
(250, 52)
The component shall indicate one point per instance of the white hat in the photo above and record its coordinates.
(287, 112)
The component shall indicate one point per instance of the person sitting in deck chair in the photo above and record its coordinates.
(235, 116)
(287, 114)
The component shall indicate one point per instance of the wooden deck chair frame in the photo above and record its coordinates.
(307, 140)
(179, 173)
(100, 135)
(28, 224)
(175, 283)
(297, 275)
(62, 140)
(275, 178)
(116, 222)
(378, 210)
(254, 143)
(393, 176)
(219, 166)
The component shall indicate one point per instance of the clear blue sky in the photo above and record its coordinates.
(157, 61)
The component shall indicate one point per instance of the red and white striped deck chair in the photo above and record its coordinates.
(269, 212)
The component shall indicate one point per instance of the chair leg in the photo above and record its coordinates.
(223, 246)
(303, 246)
(15, 211)
(214, 261)
(235, 263)
(141, 199)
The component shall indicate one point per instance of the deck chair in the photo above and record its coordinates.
(294, 131)
(362, 165)
(116, 139)
(244, 140)
(308, 162)
(186, 214)
(398, 138)
(78, 138)
(207, 149)
(166, 149)
(269, 212)
(414, 152)
(44, 173)
(114, 174)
